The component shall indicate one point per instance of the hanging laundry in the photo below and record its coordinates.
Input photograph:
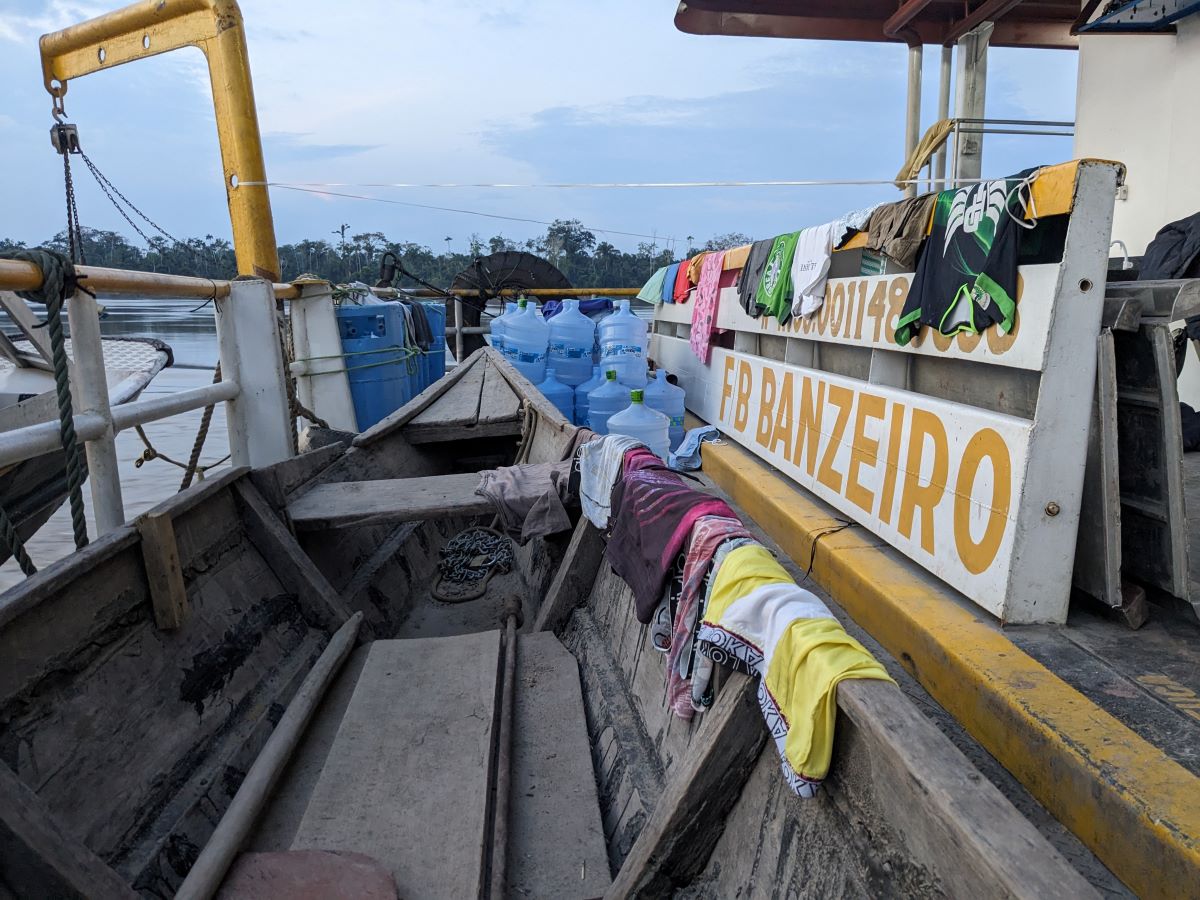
(801, 653)
(682, 287)
(651, 291)
(653, 513)
(531, 500)
(702, 695)
(694, 266)
(810, 268)
(708, 533)
(752, 272)
(898, 229)
(850, 224)
(735, 257)
(599, 463)
(686, 457)
(774, 294)
(640, 458)
(966, 276)
(668, 284)
(704, 309)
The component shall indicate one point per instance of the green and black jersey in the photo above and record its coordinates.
(966, 277)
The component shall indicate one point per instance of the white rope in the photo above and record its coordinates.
(808, 182)
(469, 212)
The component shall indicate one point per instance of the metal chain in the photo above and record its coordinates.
(74, 232)
(109, 189)
(470, 554)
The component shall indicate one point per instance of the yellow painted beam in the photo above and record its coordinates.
(1133, 806)
(151, 27)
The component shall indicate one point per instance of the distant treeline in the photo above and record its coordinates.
(587, 262)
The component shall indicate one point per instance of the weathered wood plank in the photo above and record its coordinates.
(39, 859)
(947, 811)
(406, 780)
(388, 500)
(413, 407)
(676, 842)
(164, 574)
(210, 867)
(498, 402)
(319, 601)
(575, 576)
(435, 432)
(459, 405)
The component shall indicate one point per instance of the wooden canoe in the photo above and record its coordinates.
(142, 678)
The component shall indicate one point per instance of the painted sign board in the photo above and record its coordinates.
(862, 312)
(936, 479)
(985, 501)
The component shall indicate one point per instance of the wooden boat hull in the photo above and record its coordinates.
(132, 738)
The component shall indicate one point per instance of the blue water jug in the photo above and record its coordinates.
(642, 423)
(581, 395)
(526, 339)
(500, 323)
(606, 401)
(561, 395)
(572, 336)
(623, 345)
(667, 399)
(373, 342)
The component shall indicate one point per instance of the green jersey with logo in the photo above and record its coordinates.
(966, 278)
(774, 294)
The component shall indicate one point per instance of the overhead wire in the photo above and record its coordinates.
(468, 212)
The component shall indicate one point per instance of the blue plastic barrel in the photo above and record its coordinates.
(435, 312)
(376, 360)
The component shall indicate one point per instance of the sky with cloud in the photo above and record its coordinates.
(472, 91)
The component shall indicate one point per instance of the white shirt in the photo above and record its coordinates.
(810, 268)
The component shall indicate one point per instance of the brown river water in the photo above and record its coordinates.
(191, 332)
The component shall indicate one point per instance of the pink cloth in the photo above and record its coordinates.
(704, 310)
(653, 513)
(640, 458)
(708, 534)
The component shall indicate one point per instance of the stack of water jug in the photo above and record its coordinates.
(610, 394)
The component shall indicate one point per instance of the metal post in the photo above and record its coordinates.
(321, 381)
(912, 124)
(260, 426)
(970, 92)
(939, 159)
(458, 330)
(90, 388)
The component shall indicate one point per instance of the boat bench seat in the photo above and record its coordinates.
(388, 500)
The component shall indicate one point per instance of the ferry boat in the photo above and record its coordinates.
(253, 690)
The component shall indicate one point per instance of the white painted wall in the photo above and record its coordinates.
(1137, 103)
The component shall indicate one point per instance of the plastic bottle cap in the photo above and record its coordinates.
(635, 396)
(611, 375)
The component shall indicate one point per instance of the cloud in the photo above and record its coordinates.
(285, 147)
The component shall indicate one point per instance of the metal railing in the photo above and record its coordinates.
(252, 385)
(253, 381)
(935, 168)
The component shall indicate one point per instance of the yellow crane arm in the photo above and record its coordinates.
(150, 27)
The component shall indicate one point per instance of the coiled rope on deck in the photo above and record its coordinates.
(60, 281)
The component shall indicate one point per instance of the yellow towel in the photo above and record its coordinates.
(757, 615)
(744, 569)
(803, 673)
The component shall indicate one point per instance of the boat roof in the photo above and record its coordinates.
(1018, 23)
